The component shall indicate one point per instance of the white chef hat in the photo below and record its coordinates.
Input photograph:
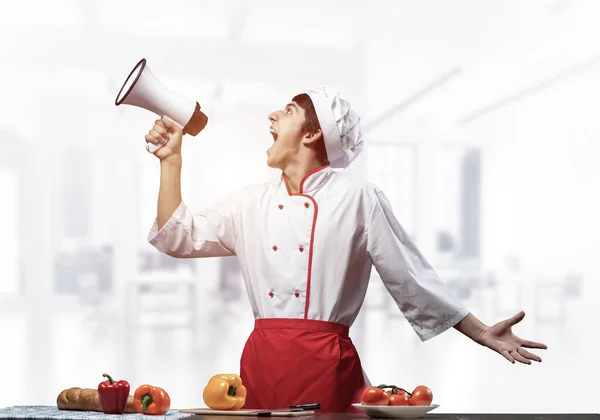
(340, 126)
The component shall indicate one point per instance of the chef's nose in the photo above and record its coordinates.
(273, 116)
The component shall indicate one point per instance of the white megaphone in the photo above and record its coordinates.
(143, 90)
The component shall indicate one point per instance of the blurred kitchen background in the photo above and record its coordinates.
(481, 125)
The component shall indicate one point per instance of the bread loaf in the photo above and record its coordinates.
(85, 399)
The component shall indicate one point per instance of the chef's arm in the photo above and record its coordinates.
(178, 232)
(169, 193)
(471, 327)
(425, 302)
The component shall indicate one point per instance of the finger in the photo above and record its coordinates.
(529, 355)
(159, 128)
(533, 345)
(519, 358)
(150, 139)
(169, 125)
(158, 136)
(507, 355)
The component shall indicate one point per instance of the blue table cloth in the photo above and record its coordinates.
(52, 412)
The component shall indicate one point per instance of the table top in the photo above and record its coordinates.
(430, 416)
(51, 412)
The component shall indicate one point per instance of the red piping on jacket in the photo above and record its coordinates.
(310, 253)
(301, 192)
(312, 233)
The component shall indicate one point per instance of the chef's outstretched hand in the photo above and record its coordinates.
(501, 339)
(168, 134)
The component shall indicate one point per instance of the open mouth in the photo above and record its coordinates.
(273, 133)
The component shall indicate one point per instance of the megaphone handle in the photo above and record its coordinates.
(151, 147)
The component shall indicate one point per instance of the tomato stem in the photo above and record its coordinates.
(394, 389)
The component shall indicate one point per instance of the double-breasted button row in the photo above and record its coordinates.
(300, 248)
(296, 293)
(306, 204)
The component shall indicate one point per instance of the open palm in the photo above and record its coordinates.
(501, 339)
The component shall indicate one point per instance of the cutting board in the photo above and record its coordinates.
(243, 412)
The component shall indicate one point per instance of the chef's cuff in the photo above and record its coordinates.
(424, 336)
(155, 235)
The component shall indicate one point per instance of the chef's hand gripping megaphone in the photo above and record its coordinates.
(143, 90)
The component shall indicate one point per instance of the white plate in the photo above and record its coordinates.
(396, 411)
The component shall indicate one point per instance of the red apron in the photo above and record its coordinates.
(297, 361)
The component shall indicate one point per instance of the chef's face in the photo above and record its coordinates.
(287, 131)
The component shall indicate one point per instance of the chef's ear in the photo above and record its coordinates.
(312, 138)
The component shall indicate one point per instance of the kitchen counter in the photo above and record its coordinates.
(440, 416)
(51, 412)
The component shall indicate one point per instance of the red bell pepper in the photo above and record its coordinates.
(113, 395)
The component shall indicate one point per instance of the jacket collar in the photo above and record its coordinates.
(311, 182)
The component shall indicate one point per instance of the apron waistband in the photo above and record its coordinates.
(302, 324)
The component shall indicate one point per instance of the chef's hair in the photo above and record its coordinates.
(311, 123)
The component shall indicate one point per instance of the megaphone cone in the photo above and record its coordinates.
(142, 89)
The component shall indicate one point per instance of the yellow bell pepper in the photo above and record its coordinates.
(224, 392)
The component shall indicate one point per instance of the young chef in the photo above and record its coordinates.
(306, 245)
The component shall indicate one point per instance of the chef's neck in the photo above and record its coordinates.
(295, 172)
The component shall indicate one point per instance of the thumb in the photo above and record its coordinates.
(517, 318)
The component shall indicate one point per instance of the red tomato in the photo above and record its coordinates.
(398, 392)
(421, 396)
(400, 398)
(374, 396)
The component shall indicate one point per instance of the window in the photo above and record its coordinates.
(457, 201)
(9, 273)
(392, 167)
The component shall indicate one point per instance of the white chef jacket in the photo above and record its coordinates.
(309, 255)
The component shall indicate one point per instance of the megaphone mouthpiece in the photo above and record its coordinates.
(196, 123)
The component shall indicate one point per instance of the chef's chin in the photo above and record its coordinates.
(272, 163)
(271, 160)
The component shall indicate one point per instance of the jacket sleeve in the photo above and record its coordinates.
(212, 233)
(425, 302)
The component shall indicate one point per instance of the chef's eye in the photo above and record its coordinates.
(288, 110)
